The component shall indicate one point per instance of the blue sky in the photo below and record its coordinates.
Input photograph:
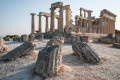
(15, 14)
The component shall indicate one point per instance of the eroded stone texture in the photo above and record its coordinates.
(31, 37)
(3, 48)
(71, 39)
(56, 40)
(1, 41)
(107, 40)
(49, 61)
(16, 39)
(117, 45)
(24, 49)
(24, 38)
(85, 52)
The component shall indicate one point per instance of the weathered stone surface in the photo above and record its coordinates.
(85, 52)
(31, 37)
(1, 41)
(71, 39)
(24, 49)
(49, 61)
(117, 39)
(3, 48)
(24, 38)
(106, 40)
(56, 40)
(7, 39)
(16, 39)
(117, 45)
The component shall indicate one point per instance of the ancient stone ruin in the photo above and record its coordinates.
(117, 41)
(3, 47)
(49, 61)
(85, 52)
(56, 40)
(85, 24)
(24, 49)
(24, 38)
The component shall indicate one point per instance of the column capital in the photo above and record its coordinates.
(32, 13)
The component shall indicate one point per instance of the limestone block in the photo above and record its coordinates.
(3, 48)
(1, 41)
(117, 45)
(24, 49)
(24, 38)
(31, 37)
(56, 40)
(16, 39)
(49, 61)
(85, 52)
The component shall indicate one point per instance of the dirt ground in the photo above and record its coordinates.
(73, 69)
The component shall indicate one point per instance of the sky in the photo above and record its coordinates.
(15, 15)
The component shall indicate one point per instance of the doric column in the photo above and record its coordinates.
(84, 13)
(80, 12)
(81, 23)
(60, 27)
(57, 22)
(107, 25)
(101, 24)
(89, 22)
(46, 29)
(33, 23)
(110, 26)
(52, 24)
(76, 21)
(104, 28)
(113, 27)
(108, 30)
(40, 24)
(67, 18)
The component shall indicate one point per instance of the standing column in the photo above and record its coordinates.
(113, 27)
(57, 22)
(80, 26)
(52, 25)
(46, 29)
(67, 18)
(89, 22)
(60, 27)
(33, 23)
(80, 12)
(40, 24)
(76, 21)
(110, 27)
(101, 24)
(106, 26)
(84, 13)
(108, 30)
(104, 31)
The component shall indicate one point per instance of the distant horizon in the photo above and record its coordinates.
(15, 15)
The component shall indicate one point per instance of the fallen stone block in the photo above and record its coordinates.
(56, 40)
(3, 48)
(49, 61)
(24, 49)
(117, 45)
(85, 53)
